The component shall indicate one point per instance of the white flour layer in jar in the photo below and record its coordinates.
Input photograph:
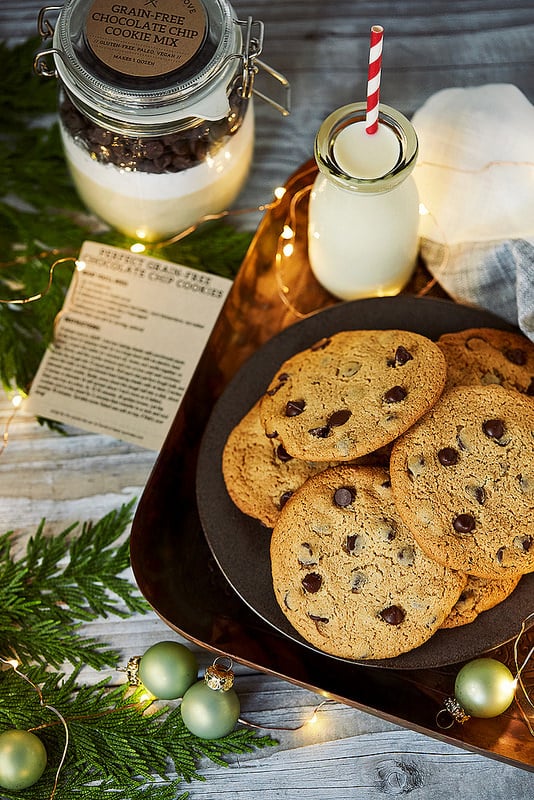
(154, 206)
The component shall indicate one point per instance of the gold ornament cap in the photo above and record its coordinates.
(132, 671)
(219, 676)
(453, 712)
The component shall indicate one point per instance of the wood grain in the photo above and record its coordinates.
(322, 49)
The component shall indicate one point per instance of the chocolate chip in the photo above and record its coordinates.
(171, 153)
(463, 523)
(339, 418)
(516, 356)
(480, 495)
(320, 345)
(393, 615)
(311, 583)
(305, 556)
(282, 378)
(395, 395)
(523, 543)
(460, 439)
(358, 581)
(321, 433)
(344, 496)
(500, 554)
(526, 483)
(153, 148)
(282, 454)
(402, 356)
(317, 618)
(353, 544)
(387, 530)
(530, 388)
(448, 456)
(416, 466)
(466, 595)
(406, 556)
(493, 428)
(289, 601)
(295, 407)
(350, 369)
(283, 499)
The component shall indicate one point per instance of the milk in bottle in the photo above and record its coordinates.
(364, 209)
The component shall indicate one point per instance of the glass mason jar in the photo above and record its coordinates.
(363, 218)
(155, 107)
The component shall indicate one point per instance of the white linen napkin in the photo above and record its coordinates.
(475, 176)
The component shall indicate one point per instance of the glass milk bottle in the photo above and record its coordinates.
(364, 209)
(155, 107)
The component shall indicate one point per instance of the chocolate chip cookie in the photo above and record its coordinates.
(478, 595)
(258, 473)
(482, 356)
(352, 393)
(463, 480)
(348, 573)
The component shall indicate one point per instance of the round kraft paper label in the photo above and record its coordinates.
(146, 38)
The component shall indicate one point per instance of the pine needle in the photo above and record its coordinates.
(60, 582)
(121, 745)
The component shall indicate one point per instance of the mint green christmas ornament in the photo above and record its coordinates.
(22, 759)
(210, 708)
(168, 669)
(485, 687)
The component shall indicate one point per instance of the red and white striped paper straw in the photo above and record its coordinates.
(373, 78)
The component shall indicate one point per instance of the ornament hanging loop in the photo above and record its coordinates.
(220, 676)
(451, 713)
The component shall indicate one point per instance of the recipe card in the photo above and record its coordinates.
(127, 342)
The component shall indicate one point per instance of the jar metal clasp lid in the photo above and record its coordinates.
(252, 36)
(252, 48)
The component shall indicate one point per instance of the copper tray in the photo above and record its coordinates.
(171, 559)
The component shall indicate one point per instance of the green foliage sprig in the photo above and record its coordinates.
(42, 219)
(121, 745)
(61, 582)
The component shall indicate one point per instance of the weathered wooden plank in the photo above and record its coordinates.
(322, 48)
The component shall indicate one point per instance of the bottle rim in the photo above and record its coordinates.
(324, 148)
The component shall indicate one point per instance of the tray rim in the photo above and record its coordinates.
(460, 736)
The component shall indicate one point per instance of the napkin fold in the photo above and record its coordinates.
(475, 177)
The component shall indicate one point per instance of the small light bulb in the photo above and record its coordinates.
(287, 250)
(80, 265)
(287, 233)
(423, 210)
(137, 247)
(16, 400)
(279, 192)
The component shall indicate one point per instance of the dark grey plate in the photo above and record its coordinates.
(240, 544)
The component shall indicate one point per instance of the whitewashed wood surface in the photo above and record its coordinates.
(322, 48)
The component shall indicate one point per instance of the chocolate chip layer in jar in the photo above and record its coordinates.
(156, 111)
